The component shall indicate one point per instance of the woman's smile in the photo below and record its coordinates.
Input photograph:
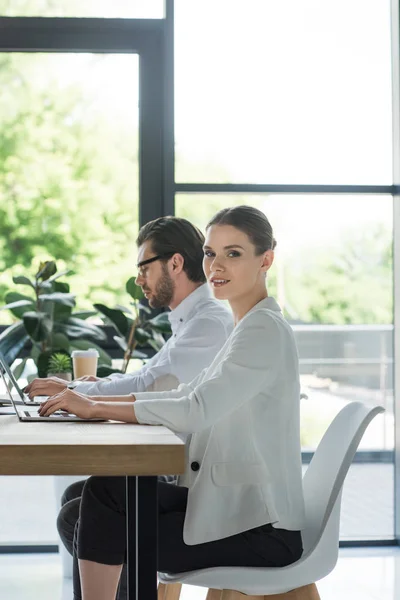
(217, 282)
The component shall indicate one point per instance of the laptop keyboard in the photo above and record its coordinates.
(28, 414)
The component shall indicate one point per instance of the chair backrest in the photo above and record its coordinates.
(324, 478)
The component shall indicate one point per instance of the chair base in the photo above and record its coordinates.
(172, 591)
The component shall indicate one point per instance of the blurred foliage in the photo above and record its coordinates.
(68, 179)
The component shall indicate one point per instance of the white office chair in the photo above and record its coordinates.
(322, 483)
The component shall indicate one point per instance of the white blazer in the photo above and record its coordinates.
(243, 465)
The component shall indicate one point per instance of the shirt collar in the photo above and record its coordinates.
(269, 303)
(183, 310)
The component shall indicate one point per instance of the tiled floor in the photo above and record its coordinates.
(361, 574)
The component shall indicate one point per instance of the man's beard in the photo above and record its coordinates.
(164, 291)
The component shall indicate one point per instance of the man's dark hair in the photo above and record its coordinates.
(169, 235)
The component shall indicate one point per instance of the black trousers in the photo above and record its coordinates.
(69, 515)
(100, 534)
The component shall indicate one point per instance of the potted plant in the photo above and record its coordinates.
(60, 366)
(46, 319)
(133, 327)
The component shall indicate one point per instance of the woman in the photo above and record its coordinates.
(240, 500)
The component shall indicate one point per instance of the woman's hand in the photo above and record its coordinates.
(47, 386)
(70, 401)
(88, 378)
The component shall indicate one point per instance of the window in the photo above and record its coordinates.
(283, 92)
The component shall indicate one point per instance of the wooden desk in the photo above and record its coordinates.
(138, 452)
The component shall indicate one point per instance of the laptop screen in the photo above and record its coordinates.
(9, 380)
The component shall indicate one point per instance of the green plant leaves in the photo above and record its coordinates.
(85, 314)
(117, 318)
(38, 325)
(134, 290)
(12, 340)
(43, 360)
(160, 323)
(122, 343)
(59, 297)
(78, 329)
(141, 336)
(58, 275)
(60, 286)
(18, 303)
(59, 340)
(22, 280)
(60, 363)
(46, 270)
(105, 371)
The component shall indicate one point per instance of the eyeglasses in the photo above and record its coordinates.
(142, 263)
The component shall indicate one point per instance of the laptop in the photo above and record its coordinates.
(36, 401)
(28, 411)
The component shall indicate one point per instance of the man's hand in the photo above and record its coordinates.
(71, 401)
(45, 387)
(88, 378)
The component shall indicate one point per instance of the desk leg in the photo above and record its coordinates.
(142, 516)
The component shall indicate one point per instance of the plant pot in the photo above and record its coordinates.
(65, 376)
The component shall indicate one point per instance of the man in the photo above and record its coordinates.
(170, 273)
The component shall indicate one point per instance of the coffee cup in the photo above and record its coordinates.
(84, 362)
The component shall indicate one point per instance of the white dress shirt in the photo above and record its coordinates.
(243, 466)
(200, 327)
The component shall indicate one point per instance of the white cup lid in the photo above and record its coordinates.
(85, 353)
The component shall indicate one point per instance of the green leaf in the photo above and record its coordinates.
(135, 291)
(105, 370)
(12, 340)
(46, 270)
(138, 354)
(141, 336)
(19, 369)
(124, 309)
(22, 280)
(59, 340)
(61, 312)
(79, 329)
(60, 363)
(60, 298)
(145, 309)
(60, 286)
(58, 275)
(18, 307)
(84, 314)
(42, 363)
(155, 344)
(38, 325)
(160, 323)
(122, 343)
(45, 286)
(117, 318)
(104, 357)
(35, 351)
(158, 339)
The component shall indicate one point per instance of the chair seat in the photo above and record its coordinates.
(253, 581)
